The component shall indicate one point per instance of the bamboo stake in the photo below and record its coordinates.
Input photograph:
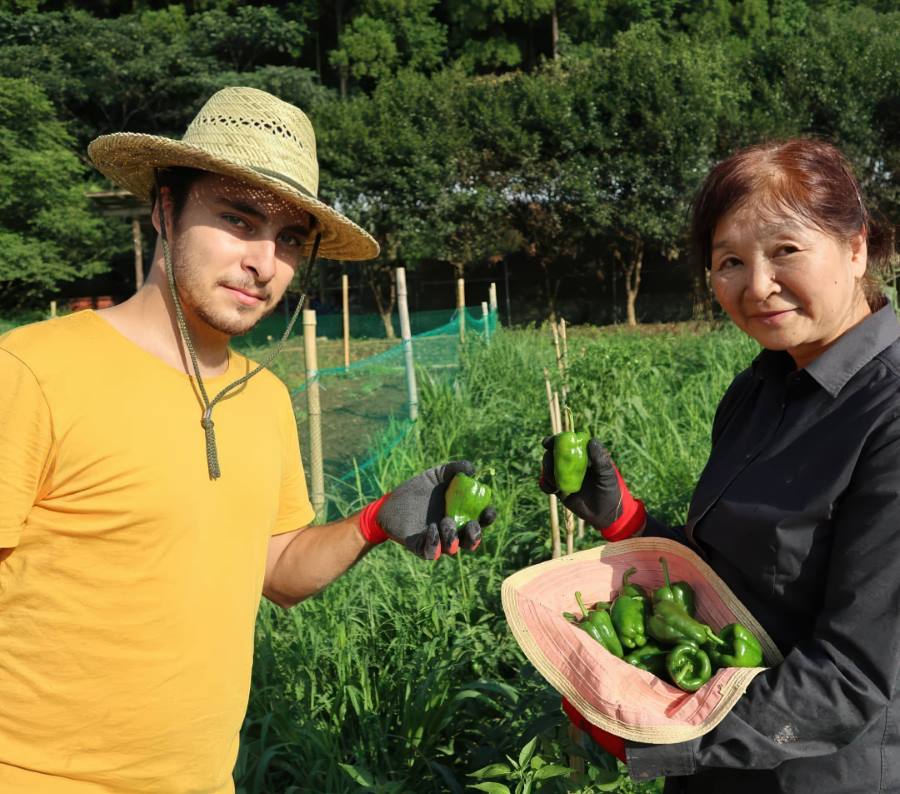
(565, 394)
(53, 308)
(487, 320)
(461, 307)
(317, 474)
(345, 302)
(492, 300)
(554, 510)
(567, 514)
(555, 332)
(405, 333)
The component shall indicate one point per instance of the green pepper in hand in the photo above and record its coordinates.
(741, 649)
(679, 592)
(670, 623)
(465, 499)
(689, 667)
(570, 460)
(598, 624)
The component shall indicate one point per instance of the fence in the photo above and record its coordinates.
(351, 415)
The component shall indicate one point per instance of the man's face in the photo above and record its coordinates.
(236, 248)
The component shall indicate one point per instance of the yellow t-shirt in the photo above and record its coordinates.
(128, 606)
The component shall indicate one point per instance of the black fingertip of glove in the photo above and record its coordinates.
(598, 454)
(547, 482)
(470, 534)
(547, 443)
(488, 516)
(431, 543)
(456, 466)
(449, 536)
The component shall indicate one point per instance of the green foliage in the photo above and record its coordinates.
(389, 35)
(47, 232)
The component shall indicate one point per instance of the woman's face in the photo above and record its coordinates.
(787, 284)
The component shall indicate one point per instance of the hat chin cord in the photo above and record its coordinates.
(212, 457)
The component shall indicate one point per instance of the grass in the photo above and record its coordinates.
(402, 676)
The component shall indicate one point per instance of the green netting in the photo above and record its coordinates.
(365, 410)
(362, 326)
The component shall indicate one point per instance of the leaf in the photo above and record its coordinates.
(361, 776)
(552, 770)
(492, 770)
(537, 762)
(490, 788)
(527, 752)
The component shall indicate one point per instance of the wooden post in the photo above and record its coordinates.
(461, 307)
(485, 315)
(345, 302)
(564, 363)
(567, 514)
(138, 242)
(317, 474)
(556, 546)
(492, 301)
(53, 308)
(406, 335)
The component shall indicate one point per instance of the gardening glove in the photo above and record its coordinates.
(604, 500)
(614, 745)
(414, 515)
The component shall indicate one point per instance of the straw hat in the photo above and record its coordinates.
(610, 693)
(247, 134)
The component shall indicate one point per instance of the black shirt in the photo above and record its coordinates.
(798, 510)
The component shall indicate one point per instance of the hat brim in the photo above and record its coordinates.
(130, 159)
(609, 692)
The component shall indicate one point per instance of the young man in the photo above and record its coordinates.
(151, 483)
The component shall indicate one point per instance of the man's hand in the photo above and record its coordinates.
(414, 515)
(604, 500)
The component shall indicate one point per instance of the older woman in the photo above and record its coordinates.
(798, 507)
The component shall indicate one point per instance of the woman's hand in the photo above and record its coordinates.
(604, 500)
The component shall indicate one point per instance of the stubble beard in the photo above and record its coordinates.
(197, 297)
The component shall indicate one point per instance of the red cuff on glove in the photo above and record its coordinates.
(368, 522)
(613, 744)
(634, 514)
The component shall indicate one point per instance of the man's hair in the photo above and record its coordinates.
(179, 181)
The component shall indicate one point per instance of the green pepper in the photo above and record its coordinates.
(650, 657)
(633, 590)
(670, 623)
(465, 499)
(742, 649)
(679, 592)
(570, 460)
(598, 624)
(629, 614)
(689, 667)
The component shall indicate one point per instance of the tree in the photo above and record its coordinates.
(664, 100)
(388, 35)
(387, 160)
(47, 232)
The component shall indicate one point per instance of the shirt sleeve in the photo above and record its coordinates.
(26, 441)
(294, 510)
(840, 680)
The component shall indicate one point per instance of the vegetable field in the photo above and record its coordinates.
(402, 676)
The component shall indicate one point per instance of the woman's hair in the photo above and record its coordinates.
(806, 177)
